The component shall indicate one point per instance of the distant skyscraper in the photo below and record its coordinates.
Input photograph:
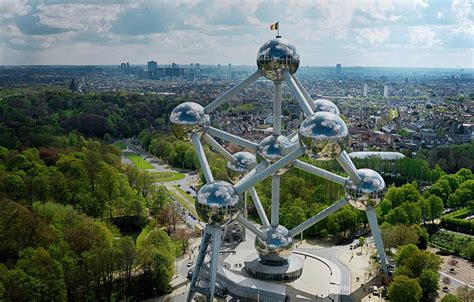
(338, 69)
(229, 67)
(152, 66)
(385, 91)
(365, 90)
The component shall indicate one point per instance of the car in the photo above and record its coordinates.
(375, 290)
(188, 192)
(190, 274)
(190, 263)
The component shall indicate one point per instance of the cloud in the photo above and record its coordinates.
(325, 32)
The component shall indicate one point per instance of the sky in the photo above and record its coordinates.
(388, 33)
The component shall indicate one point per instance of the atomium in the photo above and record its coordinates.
(274, 56)
(278, 245)
(218, 203)
(325, 105)
(244, 162)
(187, 118)
(369, 192)
(323, 134)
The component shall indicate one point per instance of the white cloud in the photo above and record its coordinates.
(423, 36)
(374, 36)
(12, 8)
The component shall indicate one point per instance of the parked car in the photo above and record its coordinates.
(190, 263)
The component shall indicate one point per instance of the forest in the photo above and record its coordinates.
(78, 225)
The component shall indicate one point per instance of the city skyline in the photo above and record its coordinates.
(437, 34)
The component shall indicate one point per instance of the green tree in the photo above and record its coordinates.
(361, 242)
(450, 298)
(465, 293)
(404, 289)
(45, 275)
(428, 280)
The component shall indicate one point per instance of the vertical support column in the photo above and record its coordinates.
(277, 109)
(374, 227)
(215, 246)
(275, 219)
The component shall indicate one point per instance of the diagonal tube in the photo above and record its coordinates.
(232, 138)
(202, 158)
(320, 172)
(251, 227)
(275, 217)
(348, 167)
(233, 91)
(259, 207)
(318, 217)
(212, 142)
(304, 92)
(348, 159)
(273, 168)
(374, 227)
(297, 93)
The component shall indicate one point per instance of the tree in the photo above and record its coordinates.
(170, 216)
(436, 206)
(422, 260)
(405, 252)
(45, 275)
(361, 242)
(397, 216)
(394, 236)
(451, 298)
(404, 289)
(465, 293)
(452, 262)
(429, 283)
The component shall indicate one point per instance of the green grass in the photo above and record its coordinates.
(188, 197)
(121, 146)
(138, 161)
(166, 176)
(184, 203)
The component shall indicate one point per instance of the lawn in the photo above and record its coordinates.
(166, 176)
(138, 161)
(121, 146)
(186, 204)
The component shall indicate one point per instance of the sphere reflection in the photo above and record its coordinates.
(323, 134)
(277, 247)
(187, 118)
(274, 56)
(325, 105)
(245, 161)
(218, 203)
(367, 193)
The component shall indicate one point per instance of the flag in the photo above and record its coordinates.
(274, 26)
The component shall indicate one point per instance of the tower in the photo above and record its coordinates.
(365, 90)
(338, 69)
(322, 135)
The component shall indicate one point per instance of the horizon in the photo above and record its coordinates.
(398, 34)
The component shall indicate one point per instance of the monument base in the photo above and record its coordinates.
(287, 271)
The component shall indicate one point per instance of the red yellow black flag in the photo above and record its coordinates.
(274, 26)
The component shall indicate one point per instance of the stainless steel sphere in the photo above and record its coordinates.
(326, 105)
(274, 56)
(273, 147)
(187, 118)
(218, 203)
(278, 246)
(245, 161)
(323, 134)
(368, 193)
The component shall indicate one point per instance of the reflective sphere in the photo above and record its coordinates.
(324, 134)
(278, 246)
(246, 161)
(218, 203)
(274, 56)
(369, 192)
(187, 118)
(273, 147)
(326, 105)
